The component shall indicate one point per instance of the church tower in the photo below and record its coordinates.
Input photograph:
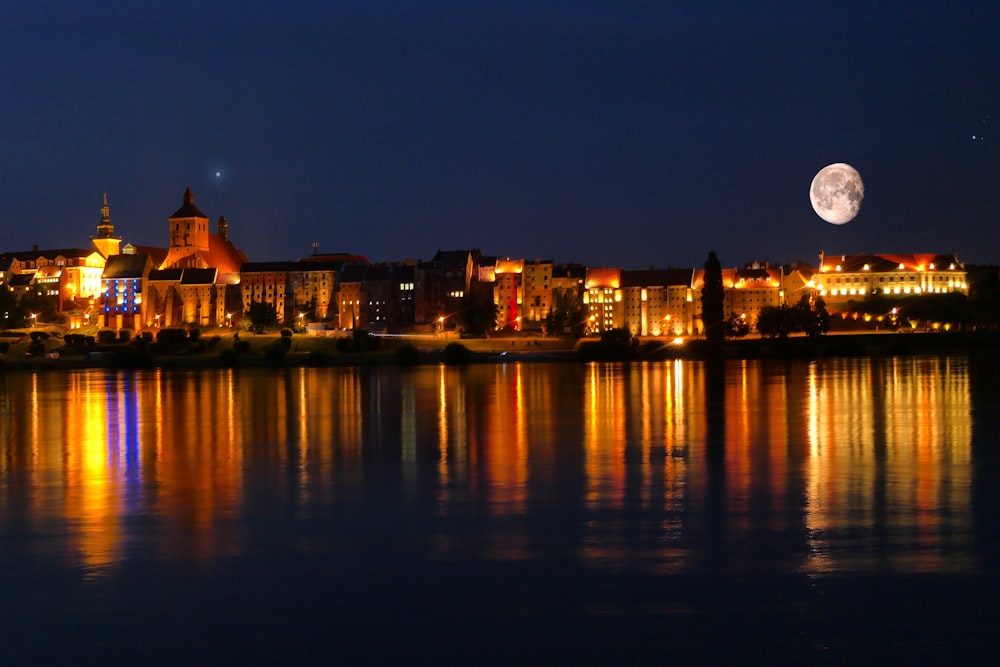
(105, 241)
(188, 226)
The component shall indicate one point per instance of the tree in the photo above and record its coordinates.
(805, 316)
(261, 316)
(567, 312)
(773, 321)
(713, 298)
(737, 327)
(12, 314)
(476, 317)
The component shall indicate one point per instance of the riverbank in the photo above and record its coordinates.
(302, 350)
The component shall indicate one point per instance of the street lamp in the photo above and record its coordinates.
(34, 319)
(229, 320)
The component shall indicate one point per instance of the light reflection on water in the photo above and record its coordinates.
(841, 465)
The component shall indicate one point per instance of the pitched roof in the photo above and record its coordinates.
(156, 254)
(656, 277)
(198, 276)
(188, 209)
(353, 273)
(166, 275)
(32, 255)
(125, 266)
(269, 267)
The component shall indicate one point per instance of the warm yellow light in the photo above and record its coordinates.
(678, 341)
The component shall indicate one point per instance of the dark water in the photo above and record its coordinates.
(833, 512)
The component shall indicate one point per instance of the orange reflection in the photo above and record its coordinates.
(860, 464)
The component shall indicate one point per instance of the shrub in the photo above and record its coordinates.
(194, 335)
(286, 333)
(241, 346)
(170, 340)
(124, 335)
(106, 336)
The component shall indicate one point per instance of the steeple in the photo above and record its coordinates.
(105, 241)
(105, 230)
(223, 227)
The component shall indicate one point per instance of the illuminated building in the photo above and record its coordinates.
(351, 294)
(122, 303)
(268, 283)
(443, 283)
(603, 300)
(71, 276)
(537, 290)
(656, 302)
(508, 292)
(293, 288)
(106, 242)
(845, 278)
(197, 282)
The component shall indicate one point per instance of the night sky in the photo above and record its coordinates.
(633, 134)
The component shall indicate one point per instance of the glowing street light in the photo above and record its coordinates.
(229, 320)
(34, 320)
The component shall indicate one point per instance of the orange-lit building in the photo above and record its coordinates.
(658, 302)
(508, 294)
(747, 292)
(197, 282)
(537, 290)
(602, 300)
(844, 278)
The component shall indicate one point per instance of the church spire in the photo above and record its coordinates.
(105, 230)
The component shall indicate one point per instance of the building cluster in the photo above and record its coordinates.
(202, 279)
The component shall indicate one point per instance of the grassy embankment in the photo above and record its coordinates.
(215, 348)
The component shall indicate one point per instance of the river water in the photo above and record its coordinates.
(741, 512)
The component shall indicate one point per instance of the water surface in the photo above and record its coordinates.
(829, 510)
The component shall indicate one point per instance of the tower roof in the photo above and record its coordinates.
(188, 209)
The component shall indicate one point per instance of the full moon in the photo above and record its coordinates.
(837, 192)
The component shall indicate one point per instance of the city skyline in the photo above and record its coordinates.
(627, 135)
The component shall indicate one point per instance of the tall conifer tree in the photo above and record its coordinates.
(713, 301)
